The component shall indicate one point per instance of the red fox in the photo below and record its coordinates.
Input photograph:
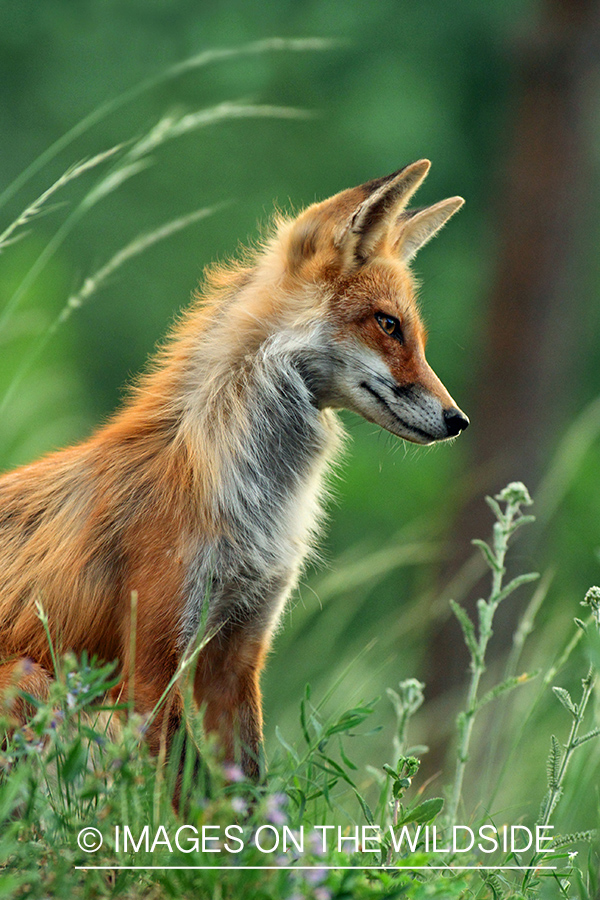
(201, 494)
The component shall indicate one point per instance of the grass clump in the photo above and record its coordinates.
(318, 827)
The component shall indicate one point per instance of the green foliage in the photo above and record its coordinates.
(72, 770)
(410, 81)
(79, 770)
(508, 521)
(384, 83)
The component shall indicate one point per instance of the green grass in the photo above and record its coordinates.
(70, 770)
(522, 747)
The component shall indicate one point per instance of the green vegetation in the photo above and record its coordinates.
(76, 792)
(103, 237)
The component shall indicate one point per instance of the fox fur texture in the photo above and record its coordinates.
(201, 495)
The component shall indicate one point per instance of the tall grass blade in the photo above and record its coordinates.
(167, 129)
(199, 60)
(34, 209)
(92, 284)
(170, 127)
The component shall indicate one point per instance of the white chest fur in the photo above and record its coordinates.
(268, 503)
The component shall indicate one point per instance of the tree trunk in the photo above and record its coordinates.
(535, 310)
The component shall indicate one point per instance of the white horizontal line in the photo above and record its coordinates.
(335, 868)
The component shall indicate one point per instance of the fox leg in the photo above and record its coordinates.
(146, 681)
(164, 730)
(227, 686)
(162, 724)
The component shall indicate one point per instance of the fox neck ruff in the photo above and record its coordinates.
(262, 444)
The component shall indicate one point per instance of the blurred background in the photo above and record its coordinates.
(504, 98)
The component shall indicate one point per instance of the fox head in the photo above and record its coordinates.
(365, 351)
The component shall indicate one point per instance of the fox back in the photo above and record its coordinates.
(201, 495)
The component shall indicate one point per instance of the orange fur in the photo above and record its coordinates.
(154, 502)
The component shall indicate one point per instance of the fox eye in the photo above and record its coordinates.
(390, 325)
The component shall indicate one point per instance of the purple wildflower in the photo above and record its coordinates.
(233, 773)
(274, 809)
(322, 893)
(239, 806)
(315, 876)
(315, 842)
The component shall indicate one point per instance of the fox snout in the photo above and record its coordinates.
(429, 410)
(455, 421)
(414, 413)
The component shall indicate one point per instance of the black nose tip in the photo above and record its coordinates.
(455, 420)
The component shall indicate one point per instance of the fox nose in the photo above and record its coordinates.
(455, 420)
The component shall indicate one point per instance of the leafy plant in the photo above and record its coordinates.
(508, 521)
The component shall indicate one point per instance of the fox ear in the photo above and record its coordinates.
(370, 220)
(416, 228)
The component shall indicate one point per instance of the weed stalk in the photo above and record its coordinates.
(508, 520)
